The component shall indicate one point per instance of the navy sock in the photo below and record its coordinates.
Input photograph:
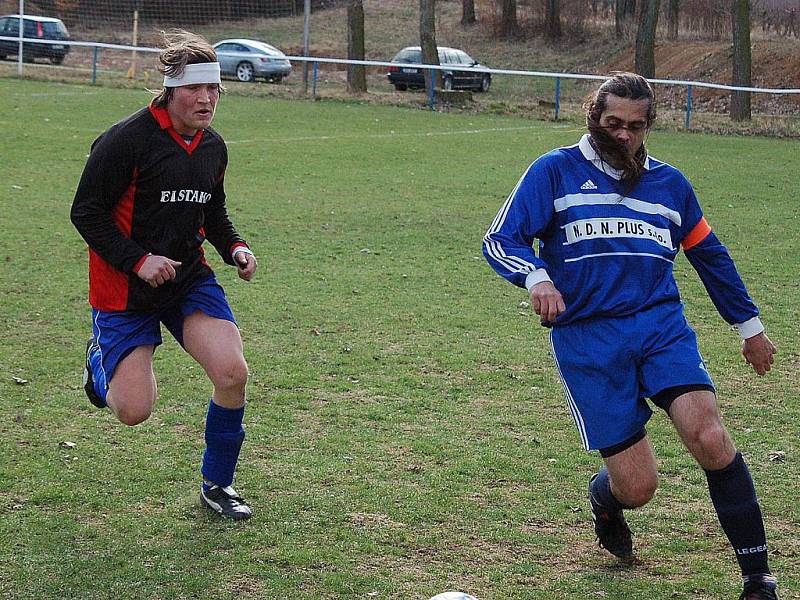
(224, 437)
(600, 492)
(739, 513)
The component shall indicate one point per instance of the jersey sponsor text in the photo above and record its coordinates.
(196, 196)
(589, 229)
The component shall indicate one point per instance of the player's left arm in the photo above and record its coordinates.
(710, 258)
(223, 235)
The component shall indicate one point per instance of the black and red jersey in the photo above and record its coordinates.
(146, 190)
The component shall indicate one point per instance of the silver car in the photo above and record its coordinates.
(248, 59)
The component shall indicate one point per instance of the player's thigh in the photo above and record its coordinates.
(132, 389)
(217, 346)
(698, 421)
(634, 473)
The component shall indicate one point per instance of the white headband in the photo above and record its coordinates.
(197, 73)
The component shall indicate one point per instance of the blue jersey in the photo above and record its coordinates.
(611, 253)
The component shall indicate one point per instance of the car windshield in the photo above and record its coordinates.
(409, 55)
(54, 28)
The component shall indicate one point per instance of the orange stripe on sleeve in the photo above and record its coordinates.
(696, 235)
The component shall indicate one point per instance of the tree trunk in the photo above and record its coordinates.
(740, 101)
(673, 18)
(645, 59)
(623, 12)
(508, 18)
(356, 74)
(468, 12)
(552, 18)
(427, 39)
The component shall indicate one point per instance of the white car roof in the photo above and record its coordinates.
(32, 18)
(263, 46)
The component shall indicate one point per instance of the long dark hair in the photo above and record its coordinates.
(623, 85)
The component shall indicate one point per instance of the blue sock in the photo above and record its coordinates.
(739, 513)
(224, 437)
(600, 492)
(98, 374)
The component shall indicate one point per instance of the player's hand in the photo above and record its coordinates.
(759, 353)
(546, 301)
(157, 270)
(246, 265)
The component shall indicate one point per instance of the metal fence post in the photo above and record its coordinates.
(94, 65)
(314, 81)
(558, 97)
(431, 91)
(688, 107)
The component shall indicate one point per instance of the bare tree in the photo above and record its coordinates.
(552, 19)
(427, 39)
(673, 18)
(356, 74)
(468, 12)
(645, 59)
(508, 18)
(624, 10)
(742, 64)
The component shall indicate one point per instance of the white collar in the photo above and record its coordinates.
(590, 154)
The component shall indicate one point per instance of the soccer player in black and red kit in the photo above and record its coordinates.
(151, 192)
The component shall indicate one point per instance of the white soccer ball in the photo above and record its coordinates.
(453, 596)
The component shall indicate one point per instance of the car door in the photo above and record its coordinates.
(470, 77)
(10, 29)
(224, 58)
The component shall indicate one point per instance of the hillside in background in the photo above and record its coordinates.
(392, 24)
(589, 46)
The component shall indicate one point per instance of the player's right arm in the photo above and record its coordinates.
(101, 203)
(508, 244)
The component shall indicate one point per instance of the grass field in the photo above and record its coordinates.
(406, 430)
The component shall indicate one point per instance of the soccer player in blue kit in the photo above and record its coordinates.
(609, 220)
(152, 191)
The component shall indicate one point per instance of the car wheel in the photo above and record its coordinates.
(447, 83)
(486, 82)
(400, 87)
(56, 60)
(245, 72)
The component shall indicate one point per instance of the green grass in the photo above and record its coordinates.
(406, 429)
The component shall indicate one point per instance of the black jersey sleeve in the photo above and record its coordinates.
(109, 177)
(218, 227)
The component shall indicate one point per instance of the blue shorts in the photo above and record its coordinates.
(118, 333)
(608, 366)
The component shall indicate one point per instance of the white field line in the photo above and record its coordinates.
(391, 134)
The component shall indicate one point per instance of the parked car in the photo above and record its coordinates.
(248, 59)
(403, 78)
(42, 28)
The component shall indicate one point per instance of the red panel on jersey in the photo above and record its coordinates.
(108, 287)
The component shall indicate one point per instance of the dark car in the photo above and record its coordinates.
(42, 28)
(403, 78)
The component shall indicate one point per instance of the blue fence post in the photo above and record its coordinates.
(94, 65)
(558, 97)
(688, 107)
(314, 81)
(431, 91)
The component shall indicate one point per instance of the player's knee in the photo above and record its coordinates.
(713, 440)
(133, 409)
(133, 415)
(232, 376)
(639, 491)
